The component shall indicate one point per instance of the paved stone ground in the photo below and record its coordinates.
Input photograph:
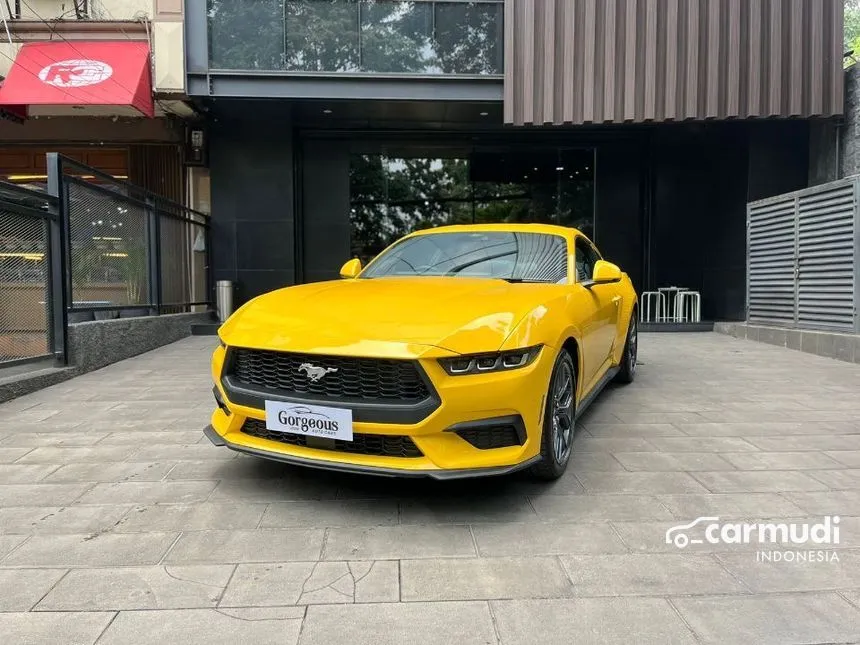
(119, 523)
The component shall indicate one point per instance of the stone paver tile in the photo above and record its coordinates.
(143, 492)
(730, 505)
(260, 626)
(598, 508)
(40, 494)
(179, 452)
(394, 542)
(240, 468)
(850, 458)
(330, 513)
(853, 597)
(8, 543)
(11, 455)
(844, 479)
(270, 490)
(621, 430)
(772, 619)
(310, 583)
(46, 439)
(642, 483)
(159, 587)
(23, 588)
(598, 621)
(60, 519)
(803, 460)
(588, 443)
(758, 482)
(192, 517)
(580, 461)
(436, 623)
(648, 575)
(111, 472)
(650, 537)
(675, 418)
(841, 572)
(535, 538)
(94, 550)
(700, 444)
(765, 429)
(806, 442)
(262, 545)
(483, 578)
(62, 628)
(135, 438)
(672, 461)
(837, 502)
(25, 473)
(77, 454)
(468, 509)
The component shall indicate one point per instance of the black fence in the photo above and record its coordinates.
(29, 226)
(87, 246)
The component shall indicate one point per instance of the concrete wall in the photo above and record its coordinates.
(835, 143)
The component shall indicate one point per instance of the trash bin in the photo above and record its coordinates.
(224, 299)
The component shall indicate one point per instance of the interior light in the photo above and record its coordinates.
(484, 113)
(559, 168)
(326, 111)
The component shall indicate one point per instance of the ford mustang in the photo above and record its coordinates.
(458, 351)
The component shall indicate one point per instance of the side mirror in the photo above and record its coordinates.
(351, 269)
(604, 273)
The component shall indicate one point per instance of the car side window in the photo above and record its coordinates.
(586, 258)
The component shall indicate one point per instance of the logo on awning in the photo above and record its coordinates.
(75, 73)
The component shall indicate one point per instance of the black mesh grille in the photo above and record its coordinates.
(361, 444)
(348, 378)
(488, 437)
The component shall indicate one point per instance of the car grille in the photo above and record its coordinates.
(491, 437)
(362, 444)
(367, 379)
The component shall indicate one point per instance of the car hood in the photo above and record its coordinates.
(387, 317)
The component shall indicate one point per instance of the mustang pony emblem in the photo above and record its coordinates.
(315, 373)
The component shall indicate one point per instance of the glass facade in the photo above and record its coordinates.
(395, 193)
(359, 36)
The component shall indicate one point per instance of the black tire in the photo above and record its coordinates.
(554, 450)
(627, 369)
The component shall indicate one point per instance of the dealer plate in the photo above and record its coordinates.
(309, 420)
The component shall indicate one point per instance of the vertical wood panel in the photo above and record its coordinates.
(630, 51)
(583, 61)
(589, 72)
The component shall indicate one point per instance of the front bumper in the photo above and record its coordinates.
(357, 469)
(445, 455)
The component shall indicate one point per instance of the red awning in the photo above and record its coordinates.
(80, 73)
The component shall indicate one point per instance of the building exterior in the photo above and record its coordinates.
(120, 106)
(334, 126)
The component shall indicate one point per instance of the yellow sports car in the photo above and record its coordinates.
(458, 351)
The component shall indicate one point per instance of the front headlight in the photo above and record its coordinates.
(495, 362)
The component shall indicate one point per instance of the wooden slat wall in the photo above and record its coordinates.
(634, 61)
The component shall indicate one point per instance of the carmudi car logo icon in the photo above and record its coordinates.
(677, 536)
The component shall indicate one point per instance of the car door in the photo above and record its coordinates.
(587, 314)
(598, 313)
(610, 306)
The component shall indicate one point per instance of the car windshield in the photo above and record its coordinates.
(515, 257)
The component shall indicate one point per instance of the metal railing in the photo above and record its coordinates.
(92, 247)
(31, 327)
(129, 251)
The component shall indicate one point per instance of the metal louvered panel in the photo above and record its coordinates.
(804, 258)
(826, 257)
(771, 265)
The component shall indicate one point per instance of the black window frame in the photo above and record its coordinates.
(589, 248)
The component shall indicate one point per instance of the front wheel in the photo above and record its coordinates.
(559, 420)
(627, 369)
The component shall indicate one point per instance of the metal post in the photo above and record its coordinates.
(153, 249)
(224, 299)
(57, 295)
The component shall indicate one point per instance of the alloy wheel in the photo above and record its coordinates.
(563, 413)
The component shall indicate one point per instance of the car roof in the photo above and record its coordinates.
(548, 229)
